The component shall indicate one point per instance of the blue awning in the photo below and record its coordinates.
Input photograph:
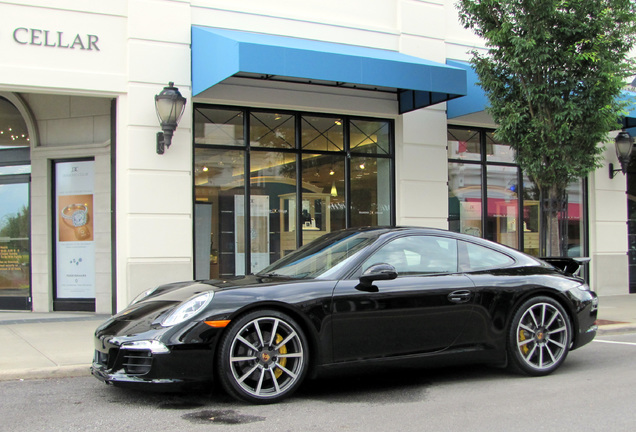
(475, 99)
(219, 54)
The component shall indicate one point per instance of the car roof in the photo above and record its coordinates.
(389, 232)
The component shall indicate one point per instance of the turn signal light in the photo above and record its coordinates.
(218, 324)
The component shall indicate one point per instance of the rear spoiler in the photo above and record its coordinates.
(568, 265)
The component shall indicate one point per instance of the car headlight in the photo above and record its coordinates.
(187, 309)
(143, 295)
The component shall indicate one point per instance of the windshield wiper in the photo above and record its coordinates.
(274, 275)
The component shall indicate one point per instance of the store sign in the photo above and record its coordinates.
(55, 39)
(75, 245)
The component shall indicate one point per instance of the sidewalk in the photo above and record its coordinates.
(60, 344)
(44, 345)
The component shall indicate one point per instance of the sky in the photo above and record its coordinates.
(12, 198)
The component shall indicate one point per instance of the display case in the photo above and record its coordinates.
(315, 219)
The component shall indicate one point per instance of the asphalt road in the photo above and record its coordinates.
(593, 391)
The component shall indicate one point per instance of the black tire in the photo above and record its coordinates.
(263, 357)
(539, 337)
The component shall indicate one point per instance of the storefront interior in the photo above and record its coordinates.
(339, 168)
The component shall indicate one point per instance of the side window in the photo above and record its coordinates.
(475, 257)
(417, 255)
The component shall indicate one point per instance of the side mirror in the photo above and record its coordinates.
(376, 272)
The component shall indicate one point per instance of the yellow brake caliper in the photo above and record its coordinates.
(283, 350)
(522, 337)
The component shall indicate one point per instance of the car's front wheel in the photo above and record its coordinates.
(539, 337)
(263, 357)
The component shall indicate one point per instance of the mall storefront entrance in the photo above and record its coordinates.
(15, 216)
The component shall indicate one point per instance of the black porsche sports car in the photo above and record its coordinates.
(352, 297)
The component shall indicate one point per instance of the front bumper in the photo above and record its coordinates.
(185, 365)
(154, 356)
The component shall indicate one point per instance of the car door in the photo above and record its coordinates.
(423, 310)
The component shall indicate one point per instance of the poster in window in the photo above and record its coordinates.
(259, 233)
(74, 218)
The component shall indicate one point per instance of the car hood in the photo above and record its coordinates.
(146, 315)
(181, 291)
(167, 296)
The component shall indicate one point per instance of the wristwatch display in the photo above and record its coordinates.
(76, 216)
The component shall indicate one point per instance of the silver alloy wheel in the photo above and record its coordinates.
(266, 357)
(542, 336)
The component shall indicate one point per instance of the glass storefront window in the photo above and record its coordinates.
(574, 220)
(302, 183)
(13, 128)
(530, 216)
(373, 137)
(219, 189)
(370, 191)
(18, 169)
(272, 130)
(218, 126)
(322, 209)
(465, 198)
(497, 151)
(15, 277)
(15, 212)
(322, 133)
(497, 176)
(272, 177)
(502, 219)
(463, 144)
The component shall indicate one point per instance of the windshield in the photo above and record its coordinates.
(322, 257)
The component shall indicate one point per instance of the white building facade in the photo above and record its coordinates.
(109, 217)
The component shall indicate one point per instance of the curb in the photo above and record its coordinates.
(68, 371)
(609, 329)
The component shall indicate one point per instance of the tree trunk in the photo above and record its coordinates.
(554, 217)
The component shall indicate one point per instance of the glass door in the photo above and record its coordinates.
(15, 212)
(15, 253)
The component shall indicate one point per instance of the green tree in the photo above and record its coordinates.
(552, 72)
(15, 225)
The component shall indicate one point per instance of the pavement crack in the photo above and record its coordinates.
(21, 336)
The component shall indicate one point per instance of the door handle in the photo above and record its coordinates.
(460, 296)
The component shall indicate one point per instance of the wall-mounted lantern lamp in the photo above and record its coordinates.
(624, 146)
(170, 106)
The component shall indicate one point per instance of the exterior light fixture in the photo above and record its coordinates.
(170, 106)
(624, 146)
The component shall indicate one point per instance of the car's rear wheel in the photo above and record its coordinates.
(539, 338)
(263, 357)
